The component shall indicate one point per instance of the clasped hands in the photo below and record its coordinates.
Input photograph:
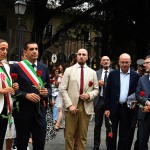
(35, 97)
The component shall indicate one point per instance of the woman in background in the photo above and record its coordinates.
(54, 85)
(59, 100)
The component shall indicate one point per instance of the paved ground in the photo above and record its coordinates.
(58, 143)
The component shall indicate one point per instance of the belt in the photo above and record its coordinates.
(123, 104)
(101, 96)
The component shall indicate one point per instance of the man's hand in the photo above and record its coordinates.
(101, 82)
(85, 96)
(15, 86)
(145, 109)
(148, 104)
(107, 113)
(33, 97)
(73, 109)
(43, 92)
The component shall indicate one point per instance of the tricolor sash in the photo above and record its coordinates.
(6, 83)
(30, 73)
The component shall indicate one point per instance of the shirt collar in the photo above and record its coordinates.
(79, 66)
(105, 70)
(128, 72)
(34, 63)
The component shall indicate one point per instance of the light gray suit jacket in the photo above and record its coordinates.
(70, 88)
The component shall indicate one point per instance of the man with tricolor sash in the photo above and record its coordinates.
(34, 87)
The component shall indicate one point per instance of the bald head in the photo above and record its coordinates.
(124, 62)
(105, 62)
(125, 55)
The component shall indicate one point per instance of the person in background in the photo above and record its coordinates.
(79, 87)
(54, 84)
(10, 135)
(121, 83)
(34, 90)
(7, 88)
(141, 72)
(102, 75)
(143, 97)
(140, 67)
(59, 101)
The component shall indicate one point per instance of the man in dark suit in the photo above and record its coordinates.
(143, 97)
(34, 87)
(99, 100)
(121, 83)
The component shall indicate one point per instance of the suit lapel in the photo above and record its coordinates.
(75, 73)
(147, 82)
(38, 66)
(117, 78)
(87, 78)
(99, 74)
(130, 82)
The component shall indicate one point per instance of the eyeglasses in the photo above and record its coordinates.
(145, 63)
(124, 63)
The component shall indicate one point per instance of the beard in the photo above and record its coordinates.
(81, 63)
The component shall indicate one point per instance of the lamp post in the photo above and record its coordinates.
(20, 8)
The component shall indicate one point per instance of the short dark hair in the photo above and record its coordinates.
(27, 43)
(147, 57)
(2, 40)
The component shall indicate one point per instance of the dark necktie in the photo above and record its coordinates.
(105, 82)
(33, 65)
(81, 80)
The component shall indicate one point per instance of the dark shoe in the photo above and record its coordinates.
(95, 148)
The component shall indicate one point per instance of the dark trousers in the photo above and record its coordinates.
(35, 125)
(144, 132)
(3, 126)
(99, 113)
(122, 120)
(132, 130)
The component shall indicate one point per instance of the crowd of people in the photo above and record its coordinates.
(35, 103)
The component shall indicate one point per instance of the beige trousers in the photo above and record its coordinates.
(76, 123)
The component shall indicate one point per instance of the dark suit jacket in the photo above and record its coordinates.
(143, 85)
(99, 74)
(26, 108)
(113, 89)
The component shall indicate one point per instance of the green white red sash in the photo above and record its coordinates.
(6, 83)
(30, 72)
